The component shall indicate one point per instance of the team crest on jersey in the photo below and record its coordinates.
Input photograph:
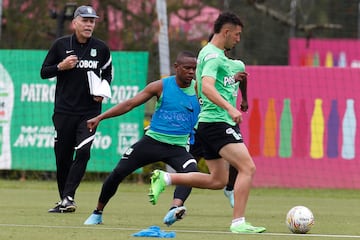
(93, 52)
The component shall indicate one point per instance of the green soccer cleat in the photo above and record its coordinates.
(247, 228)
(157, 186)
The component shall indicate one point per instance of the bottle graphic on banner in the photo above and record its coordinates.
(349, 131)
(286, 125)
(342, 59)
(301, 135)
(317, 131)
(6, 108)
(316, 60)
(329, 61)
(254, 127)
(270, 129)
(309, 59)
(333, 130)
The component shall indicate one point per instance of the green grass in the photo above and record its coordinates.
(24, 214)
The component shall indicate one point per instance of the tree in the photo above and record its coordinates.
(267, 27)
(264, 40)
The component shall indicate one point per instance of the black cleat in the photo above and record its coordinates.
(67, 205)
(55, 209)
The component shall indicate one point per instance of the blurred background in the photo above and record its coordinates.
(132, 25)
(297, 51)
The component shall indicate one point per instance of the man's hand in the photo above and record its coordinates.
(240, 76)
(236, 115)
(98, 99)
(92, 123)
(68, 63)
(244, 106)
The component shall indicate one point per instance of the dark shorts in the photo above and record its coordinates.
(196, 149)
(213, 136)
(148, 151)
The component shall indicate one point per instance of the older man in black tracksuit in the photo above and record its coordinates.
(70, 59)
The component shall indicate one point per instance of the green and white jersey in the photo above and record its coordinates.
(212, 62)
(235, 67)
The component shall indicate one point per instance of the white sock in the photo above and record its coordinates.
(167, 178)
(237, 221)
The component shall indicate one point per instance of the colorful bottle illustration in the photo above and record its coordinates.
(316, 60)
(286, 125)
(6, 108)
(302, 60)
(317, 131)
(333, 131)
(301, 137)
(342, 60)
(329, 61)
(309, 60)
(254, 127)
(349, 131)
(270, 129)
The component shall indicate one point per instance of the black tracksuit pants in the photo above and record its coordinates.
(146, 151)
(72, 151)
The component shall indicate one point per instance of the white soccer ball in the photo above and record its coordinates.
(300, 219)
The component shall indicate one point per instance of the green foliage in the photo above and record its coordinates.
(264, 40)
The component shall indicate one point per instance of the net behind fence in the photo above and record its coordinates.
(301, 126)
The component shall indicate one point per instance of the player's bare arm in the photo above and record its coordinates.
(244, 106)
(151, 90)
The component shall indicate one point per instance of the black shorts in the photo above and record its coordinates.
(196, 149)
(148, 150)
(213, 136)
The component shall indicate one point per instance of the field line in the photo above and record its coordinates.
(177, 230)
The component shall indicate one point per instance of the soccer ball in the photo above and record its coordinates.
(299, 219)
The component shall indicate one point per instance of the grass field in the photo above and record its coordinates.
(24, 214)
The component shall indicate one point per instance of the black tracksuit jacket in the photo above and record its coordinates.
(72, 94)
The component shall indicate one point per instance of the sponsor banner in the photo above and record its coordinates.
(324, 52)
(302, 126)
(26, 108)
